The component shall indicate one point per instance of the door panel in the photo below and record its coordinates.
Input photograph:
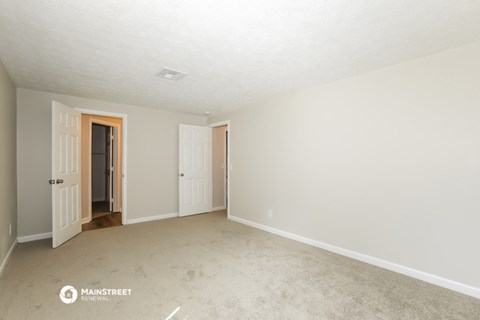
(195, 169)
(110, 168)
(66, 197)
(116, 188)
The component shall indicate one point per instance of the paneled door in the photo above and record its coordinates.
(66, 196)
(195, 170)
(110, 169)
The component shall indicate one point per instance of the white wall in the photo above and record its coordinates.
(8, 156)
(152, 157)
(386, 164)
(218, 165)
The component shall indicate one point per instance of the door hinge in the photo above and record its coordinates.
(51, 181)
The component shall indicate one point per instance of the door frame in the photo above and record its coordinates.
(124, 156)
(229, 165)
(91, 121)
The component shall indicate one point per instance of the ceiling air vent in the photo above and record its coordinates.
(171, 74)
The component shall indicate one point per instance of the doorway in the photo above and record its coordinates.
(101, 172)
(221, 166)
(204, 156)
(102, 166)
(71, 168)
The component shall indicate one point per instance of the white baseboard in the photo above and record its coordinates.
(7, 257)
(152, 218)
(219, 208)
(34, 237)
(427, 277)
(86, 220)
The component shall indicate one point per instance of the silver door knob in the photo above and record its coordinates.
(59, 181)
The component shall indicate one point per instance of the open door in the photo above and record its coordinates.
(111, 173)
(66, 197)
(195, 170)
(115, 194)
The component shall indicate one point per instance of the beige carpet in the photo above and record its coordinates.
(213, 269)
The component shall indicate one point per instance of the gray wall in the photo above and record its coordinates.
(152, 156)
(99, 166)
(8, 163)
(385, 164)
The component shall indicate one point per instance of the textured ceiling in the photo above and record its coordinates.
(236, 53)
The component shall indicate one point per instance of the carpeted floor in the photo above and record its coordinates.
(212, 268)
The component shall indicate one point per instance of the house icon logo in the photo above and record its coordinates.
(68, 294)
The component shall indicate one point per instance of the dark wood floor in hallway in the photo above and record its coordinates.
(102, 217)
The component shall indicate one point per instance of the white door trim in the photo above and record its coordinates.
(229, 165)
(124, 155)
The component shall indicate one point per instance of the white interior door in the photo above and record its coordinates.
(195, 170)
(110, 169)
(115, 184)
(66, 191)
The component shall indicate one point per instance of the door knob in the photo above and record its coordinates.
(59, 181)
(181, 174)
